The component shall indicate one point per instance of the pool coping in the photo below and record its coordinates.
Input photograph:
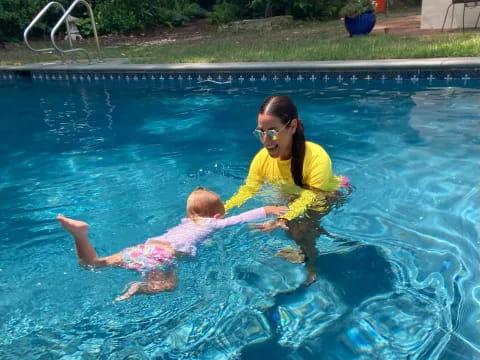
(118, 65)
(444, 70)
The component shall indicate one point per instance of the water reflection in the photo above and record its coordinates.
(397, 264)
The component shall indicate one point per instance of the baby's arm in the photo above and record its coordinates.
(271, 225)
(252, 215)
(149, 287)
(275, 210)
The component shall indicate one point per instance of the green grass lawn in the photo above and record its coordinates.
(304, 48)
(303, 41)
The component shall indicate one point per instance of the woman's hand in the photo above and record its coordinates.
(270, 225)
(275, 210)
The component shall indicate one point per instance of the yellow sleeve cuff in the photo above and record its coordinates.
(298, 207)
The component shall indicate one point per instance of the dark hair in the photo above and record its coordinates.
(283, 108)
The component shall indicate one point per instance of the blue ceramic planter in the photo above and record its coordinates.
(362, 24)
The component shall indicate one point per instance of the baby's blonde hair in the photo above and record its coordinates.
(203, 203)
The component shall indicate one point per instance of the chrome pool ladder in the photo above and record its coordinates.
(63, 19)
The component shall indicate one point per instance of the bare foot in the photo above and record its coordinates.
(74, 227)
(311, 278)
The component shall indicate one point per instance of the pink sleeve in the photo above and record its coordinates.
(252, 215)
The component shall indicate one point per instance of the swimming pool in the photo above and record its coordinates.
(398, 274)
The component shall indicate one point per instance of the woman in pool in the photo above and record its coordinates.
(302, 169)
(155, 259)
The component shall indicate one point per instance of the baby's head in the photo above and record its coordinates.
(204, 203)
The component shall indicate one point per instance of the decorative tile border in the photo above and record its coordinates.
(247, 77)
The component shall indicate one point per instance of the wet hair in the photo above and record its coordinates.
(282, 107)
(202, 203)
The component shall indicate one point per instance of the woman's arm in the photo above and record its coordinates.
(296, 208)
(244, 193)
(300, 205)
(317, 176)
(253, 183)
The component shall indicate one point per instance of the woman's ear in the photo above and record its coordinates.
(217, 216)
(293, 126)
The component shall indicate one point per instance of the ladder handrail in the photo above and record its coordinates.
(63, 18)
(35, 20)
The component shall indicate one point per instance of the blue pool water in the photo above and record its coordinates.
(398, 271)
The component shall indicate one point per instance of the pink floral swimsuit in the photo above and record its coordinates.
(146, 257)
(183, 238)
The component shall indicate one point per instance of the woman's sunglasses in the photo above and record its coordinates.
(272, 134)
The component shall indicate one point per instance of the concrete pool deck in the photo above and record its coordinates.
(120, 65)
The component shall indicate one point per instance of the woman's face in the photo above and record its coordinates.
(281, 146)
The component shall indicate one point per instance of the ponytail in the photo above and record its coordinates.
(298, 154)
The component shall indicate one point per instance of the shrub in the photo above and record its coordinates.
(353, 8)
(15, 15)
(85, 26)
(314, 9)
(224, 12)
(124, 16)
(120, 16)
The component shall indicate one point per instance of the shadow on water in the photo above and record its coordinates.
(358, 274)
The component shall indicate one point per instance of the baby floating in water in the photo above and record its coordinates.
(156, 258)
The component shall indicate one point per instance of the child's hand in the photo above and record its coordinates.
(269, 226)
(132, 290)
(275, 210)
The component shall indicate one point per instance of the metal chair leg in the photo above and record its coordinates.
(446, 14)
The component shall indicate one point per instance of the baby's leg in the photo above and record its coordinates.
(85, 251)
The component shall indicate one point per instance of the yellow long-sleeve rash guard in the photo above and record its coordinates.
(317, 174)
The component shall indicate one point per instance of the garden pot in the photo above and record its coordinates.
(362, 24)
